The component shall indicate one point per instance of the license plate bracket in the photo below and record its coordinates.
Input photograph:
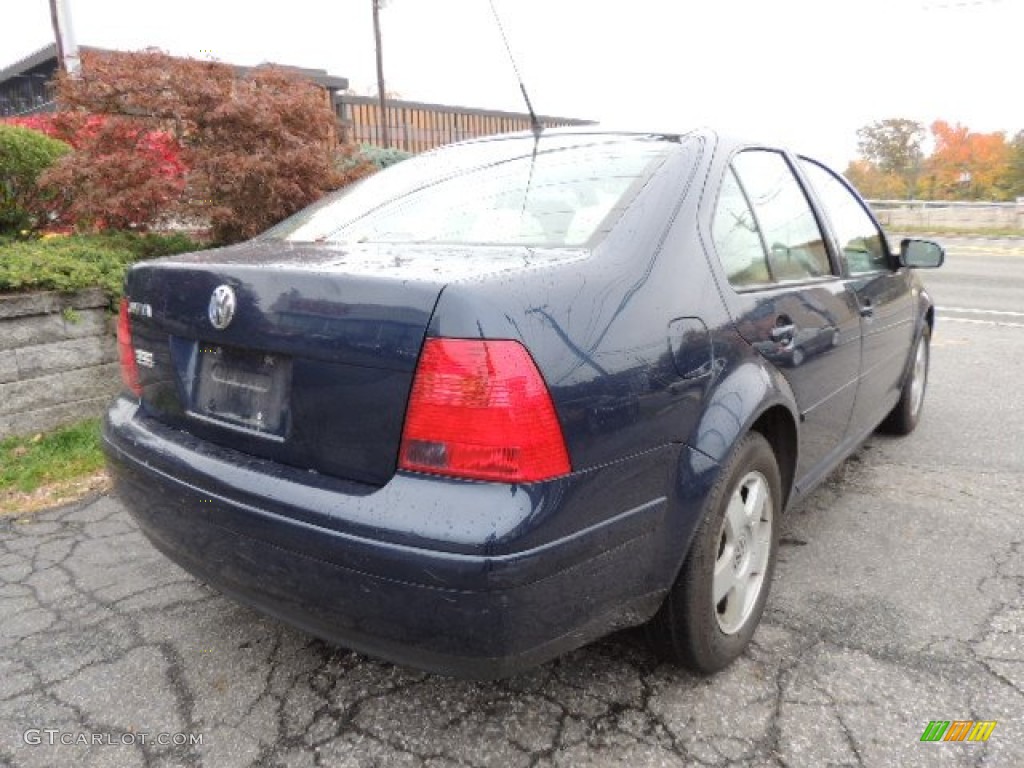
(243, 388)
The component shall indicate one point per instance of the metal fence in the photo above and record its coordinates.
(25, 95)
(418, 126)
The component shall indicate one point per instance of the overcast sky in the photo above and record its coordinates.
(806, 73)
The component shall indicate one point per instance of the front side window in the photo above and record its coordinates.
(861, 242)
(517, 191)
(796, 246)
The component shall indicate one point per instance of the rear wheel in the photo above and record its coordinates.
(716, 603)
(904, 417)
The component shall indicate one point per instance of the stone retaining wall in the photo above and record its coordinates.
(58, 359)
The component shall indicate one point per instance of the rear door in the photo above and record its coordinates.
(787, 298)
(882, 291)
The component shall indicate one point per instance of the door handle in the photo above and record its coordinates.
(866, 310)
(783, 333)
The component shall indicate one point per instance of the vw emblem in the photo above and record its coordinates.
(222, 307)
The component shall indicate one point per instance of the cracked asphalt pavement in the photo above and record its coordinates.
(898, 599)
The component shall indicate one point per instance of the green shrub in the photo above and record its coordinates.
(81, 261)
(24, 155)
(383, 157)
(148, 246)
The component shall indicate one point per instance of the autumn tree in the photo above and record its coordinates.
(259, 145)
(1015, 175)
(893, 147)
(968, 165)
(873, 183)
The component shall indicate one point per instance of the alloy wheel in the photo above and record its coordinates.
(744, 546)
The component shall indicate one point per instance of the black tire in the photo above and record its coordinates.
(903, 419)
(689, 628)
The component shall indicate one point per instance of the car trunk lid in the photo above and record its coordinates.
(312, 368)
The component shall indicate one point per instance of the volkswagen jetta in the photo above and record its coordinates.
(513, 394)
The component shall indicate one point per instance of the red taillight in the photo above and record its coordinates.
(129, 368)
(480, 409)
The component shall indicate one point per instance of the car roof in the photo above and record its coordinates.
(719, 138)
(576, 130)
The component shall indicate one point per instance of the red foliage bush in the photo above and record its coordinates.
(258, 146)
(41, 123)
(122, 174)
(77, 130)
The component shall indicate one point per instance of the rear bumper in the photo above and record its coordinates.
(390, 571)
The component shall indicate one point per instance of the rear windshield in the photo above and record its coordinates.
(560, 191)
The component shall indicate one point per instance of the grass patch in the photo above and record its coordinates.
(47, 469)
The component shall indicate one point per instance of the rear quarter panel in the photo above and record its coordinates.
(599, 328)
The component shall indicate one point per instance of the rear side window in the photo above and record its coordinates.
(736, 237)
(560, 195)
(795, 245)
(862, 243)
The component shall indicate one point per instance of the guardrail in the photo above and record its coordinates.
(950, 214)
(980, 204)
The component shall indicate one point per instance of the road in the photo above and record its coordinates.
(983, 276)
(899, 599)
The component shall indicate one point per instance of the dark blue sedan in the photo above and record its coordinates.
(508, 396)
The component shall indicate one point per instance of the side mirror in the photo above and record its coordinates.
(921, 254)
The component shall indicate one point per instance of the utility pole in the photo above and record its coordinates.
(63, 33)
(385, 138)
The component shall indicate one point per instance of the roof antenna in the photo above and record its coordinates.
(534, 122)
